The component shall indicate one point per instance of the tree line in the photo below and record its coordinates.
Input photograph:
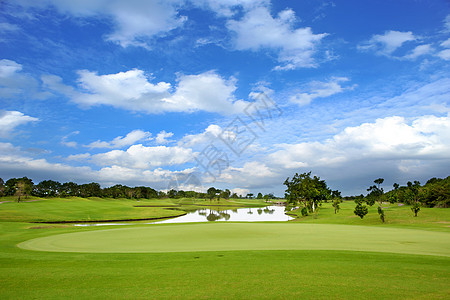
(307, 193)
(24, 187)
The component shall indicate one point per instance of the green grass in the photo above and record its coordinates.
(246, 236)
(396, 216)
(253, 268)
(83, 209)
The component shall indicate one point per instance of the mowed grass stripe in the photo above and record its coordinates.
(246, 236)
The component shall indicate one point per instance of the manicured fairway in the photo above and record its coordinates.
(405, 258)
(246, 236)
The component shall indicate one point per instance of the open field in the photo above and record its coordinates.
(227, 260)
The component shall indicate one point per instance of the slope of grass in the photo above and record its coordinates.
(82, 209)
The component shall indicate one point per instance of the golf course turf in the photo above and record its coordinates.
(408, 258)
(246, 236)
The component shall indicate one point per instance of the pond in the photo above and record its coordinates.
(255, 214)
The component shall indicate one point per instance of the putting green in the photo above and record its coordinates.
(246, 236)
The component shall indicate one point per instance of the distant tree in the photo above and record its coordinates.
(306, 190)
(92, 189)
(2, 187)
(361, 210)
(24, 187)
(130, 192)
(234, 196)
(249, 196)
(218, 194)
(393, 196)
(149, 193)
(172, 193)
(10, 186)
(181, 194)
(211, 192)
(137, 192)
(47, 188)
(376, 193)
(70, 189)
(337, 199)
(436, 193)
(415, 204)
(225, 194)
(259, 196)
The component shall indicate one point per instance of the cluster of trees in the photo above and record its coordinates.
(308, 193)
(24, 187)
(435, 193)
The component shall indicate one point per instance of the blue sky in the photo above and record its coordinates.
(237, 94)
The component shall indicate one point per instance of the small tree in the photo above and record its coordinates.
(376, 193)
(337, 199)
(415, 204)
(360, 209)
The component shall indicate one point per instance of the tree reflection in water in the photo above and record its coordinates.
(212, 214)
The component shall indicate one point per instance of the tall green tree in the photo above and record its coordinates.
(211, 192)
(415, 204)
(306, 191)
(70, 189)
(92, 189)
(47, 188)
(377, 194)
(24, 187)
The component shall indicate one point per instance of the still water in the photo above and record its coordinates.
(259, 214)
(268, 213)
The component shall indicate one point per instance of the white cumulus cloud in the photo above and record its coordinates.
(319, 89)
(141, 157)
(419, 51)
(387, 43)
(161, 138)
(135, 22)
(388, 139)
(132, 90)
(258, 29)
(122, 141)
(9, 120)
(14, 82)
